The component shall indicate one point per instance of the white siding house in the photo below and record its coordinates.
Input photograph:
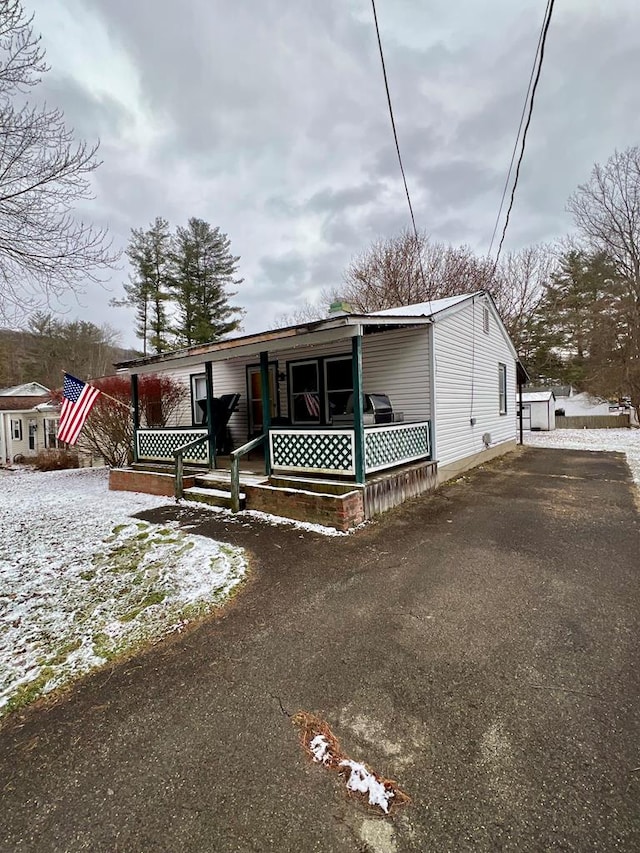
(28, 422)
(352, 396)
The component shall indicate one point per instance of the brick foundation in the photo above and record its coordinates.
(340, 511)
(148, 482)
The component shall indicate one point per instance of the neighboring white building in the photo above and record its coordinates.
(28, 422)
(538, 410)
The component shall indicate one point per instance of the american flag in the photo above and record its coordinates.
(78, 400)
(312, 403)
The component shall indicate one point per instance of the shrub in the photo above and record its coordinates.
(56, 460)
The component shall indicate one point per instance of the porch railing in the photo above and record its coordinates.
(235, 468)
(160, 445)
(321, 451)
(179, 454)
(332, 451)
(395, 444)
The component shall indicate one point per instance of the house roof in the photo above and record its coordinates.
(19, 404)
(332, 328)
(424, 309)
(537, 396)
(27, 389)
(558, 390)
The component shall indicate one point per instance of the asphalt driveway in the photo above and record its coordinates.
(478, 645)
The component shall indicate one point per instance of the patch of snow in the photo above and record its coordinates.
(319, 746)
(82, 582)
(366, 783)
(625, 441)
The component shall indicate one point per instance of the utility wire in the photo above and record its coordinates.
(395, 137)
(515, 142)
(543, 40)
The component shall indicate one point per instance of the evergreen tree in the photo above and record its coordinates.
(149, 254)
(203, 269)
(581, 307)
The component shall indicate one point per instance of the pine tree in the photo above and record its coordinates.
(149, 254)
(581, 307)
(203, 269)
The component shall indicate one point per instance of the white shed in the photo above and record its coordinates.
(538, 410)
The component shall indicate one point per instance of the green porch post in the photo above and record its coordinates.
(266, 408)
(135, 404)
(358, 406)
(208, 369)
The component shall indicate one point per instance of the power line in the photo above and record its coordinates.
(543, 40)
(515, 142)
(395, 137)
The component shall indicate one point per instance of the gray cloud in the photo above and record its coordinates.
(270, 120)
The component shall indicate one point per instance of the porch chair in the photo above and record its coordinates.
(222, 409)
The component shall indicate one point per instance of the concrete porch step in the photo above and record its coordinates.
(213, 497)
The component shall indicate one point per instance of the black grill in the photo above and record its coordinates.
(377, 410)
(379, 406)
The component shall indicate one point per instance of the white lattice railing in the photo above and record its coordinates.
(158, 445)
(318, 451)
(332, 451)
(395, 444)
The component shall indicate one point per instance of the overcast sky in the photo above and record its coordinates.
(268, 118)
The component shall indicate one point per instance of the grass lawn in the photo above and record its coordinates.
(82, 583)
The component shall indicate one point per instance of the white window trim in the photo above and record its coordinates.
(326, 384)
(195, 410)
(291, 367)
(502, 389)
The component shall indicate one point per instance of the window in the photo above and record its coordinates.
(33, 431)
(199, 398)
(16, 430)
(304, 390)
(338, 382)
(485, 319)
(502, 388)
(319, 388)
(51, 432)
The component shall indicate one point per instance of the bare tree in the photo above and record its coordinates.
(403, 270)
(606, 211)
(308, 312)
(519, 288)
(45, 251)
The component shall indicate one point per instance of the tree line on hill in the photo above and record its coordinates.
(50, 345)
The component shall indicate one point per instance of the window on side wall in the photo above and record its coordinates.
(502, 388)
(199, 398)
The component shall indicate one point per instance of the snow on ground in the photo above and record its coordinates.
(82, 583)
(623, 440)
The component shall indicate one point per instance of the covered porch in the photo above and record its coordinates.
(311, 404)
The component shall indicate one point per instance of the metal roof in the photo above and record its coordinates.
(537, 396)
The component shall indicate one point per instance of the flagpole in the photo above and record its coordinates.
(104, 394)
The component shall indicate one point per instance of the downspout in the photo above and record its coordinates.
(358, 407)
(265, 388)
(3, 445)
(520, 405)
(432, 393)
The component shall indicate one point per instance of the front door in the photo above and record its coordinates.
(254, 396)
